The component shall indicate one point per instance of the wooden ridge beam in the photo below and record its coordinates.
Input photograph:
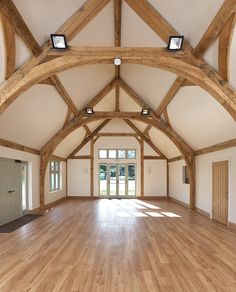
(117, 27)
(10, 46)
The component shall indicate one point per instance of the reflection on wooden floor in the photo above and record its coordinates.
(118, 245)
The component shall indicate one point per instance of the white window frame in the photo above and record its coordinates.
(55, 172)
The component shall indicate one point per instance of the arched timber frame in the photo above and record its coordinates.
(183, 64)
(82, 119)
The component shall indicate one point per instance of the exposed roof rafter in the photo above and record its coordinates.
(10, 45)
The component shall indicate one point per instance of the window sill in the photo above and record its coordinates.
(57, 191)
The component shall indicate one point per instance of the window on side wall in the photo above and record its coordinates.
(185, 175)
(55, 175)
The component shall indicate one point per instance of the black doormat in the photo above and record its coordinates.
(13, 225)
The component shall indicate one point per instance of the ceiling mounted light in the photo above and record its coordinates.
(89, 111)
(175, 43)
(117, 61)
(145, 112)
(59, 41)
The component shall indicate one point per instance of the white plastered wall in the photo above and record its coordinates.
(177, 189)
(79, 170)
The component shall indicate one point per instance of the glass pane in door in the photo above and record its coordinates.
(112, 183)
(131, 180)
(103, 180)
(24, 186)
(122, 180)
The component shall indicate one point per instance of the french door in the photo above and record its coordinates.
(117, 180)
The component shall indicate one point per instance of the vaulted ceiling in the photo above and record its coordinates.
(40, 111)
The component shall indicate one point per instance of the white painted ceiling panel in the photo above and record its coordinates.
(94, 125)
(135, 33)
(22, 52)
(99, 32)
(200, 119)
(84, 82)
(34, 117)
(189, 18)
(141, 126)
(69, 144)
(166, 146)
(85, 150)
(45, 17)
(117, 126)
(148, 150)
(211, 55)
(127, 103)
(151, 84)
(108, 103)
(232, 61)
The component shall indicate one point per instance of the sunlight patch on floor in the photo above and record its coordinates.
(133, 208)
(170, 214)
(154, 214)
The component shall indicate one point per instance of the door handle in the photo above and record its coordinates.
(10, 192)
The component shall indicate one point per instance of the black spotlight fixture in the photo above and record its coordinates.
(59, 41)
(89, 110)
(175, 43)
(145, 112)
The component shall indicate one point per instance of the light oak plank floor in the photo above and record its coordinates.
(118, 245)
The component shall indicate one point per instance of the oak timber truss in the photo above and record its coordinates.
(188, 64)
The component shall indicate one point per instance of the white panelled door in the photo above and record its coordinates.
(10, 190)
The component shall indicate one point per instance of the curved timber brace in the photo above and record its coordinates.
(82, 119)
